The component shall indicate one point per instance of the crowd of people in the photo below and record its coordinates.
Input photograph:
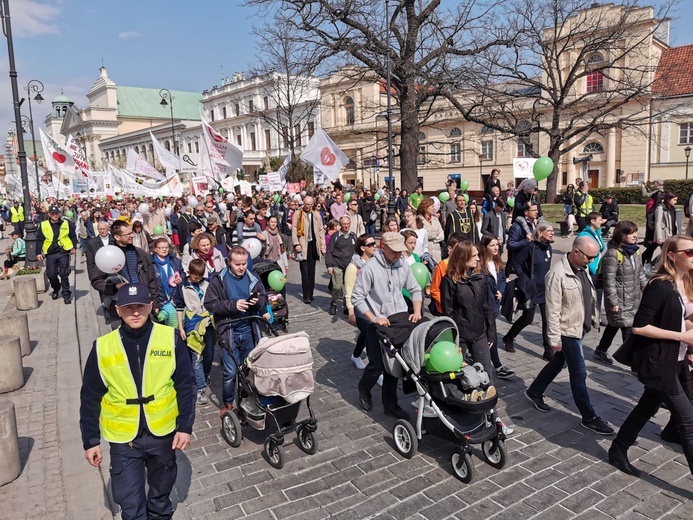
(194, 257)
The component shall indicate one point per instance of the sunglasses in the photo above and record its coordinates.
(687, 252)
(370, 244)
(590, 258)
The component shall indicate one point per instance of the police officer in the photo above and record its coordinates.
(55, 240)
(138, 393)
(17, 218)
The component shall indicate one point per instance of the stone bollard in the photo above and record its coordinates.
(25, 293)
(10, 464)
(11, 368)
(17, 324)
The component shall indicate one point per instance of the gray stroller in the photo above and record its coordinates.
(455, 406)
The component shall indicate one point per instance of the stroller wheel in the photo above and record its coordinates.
(405, 438)
(307, 440)
(274, 453)
(494, 453)
(231, 429)
(462, 465)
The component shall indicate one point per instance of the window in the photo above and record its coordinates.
(422, 155)
(197, 146)
(487, 150)
(455, 152)
(237, 109)
(349, 111)
(311, 129)
(686, 133)
(223, 112)
(595, 81)
(211, 115)
(189, 147)
(595, 58)
(251, 108)
(455, 132)
(285, 136)
(522, 150)
(253, 144)
(297, 135)
(268, 140)
(167, 145)
(137, 149)
(422, 136)
(265, 101)
(239, 142)
(593, 148)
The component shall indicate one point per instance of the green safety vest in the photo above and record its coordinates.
(17, 215)
(63, 238)
(120, 406)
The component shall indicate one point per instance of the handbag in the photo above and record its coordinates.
(524, 303)
(624, 353)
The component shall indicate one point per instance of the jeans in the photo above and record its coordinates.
(571, 355)
(370, 229)
(526, 318)
(148, 456)
(243, 343)
(680, 407)
(337, 284)
(567, 209)
(609, 334)
(495, 358)
(198, 372)
(375, 367)
(481, 353)
(210, 339)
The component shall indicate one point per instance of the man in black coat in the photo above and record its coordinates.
(495, 223)
(103, 238)
(337, 258)
(609, 211)
(55, 241)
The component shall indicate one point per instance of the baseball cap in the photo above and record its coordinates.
(394, 241)
(608, 196)
(133, 294)
(54, 209)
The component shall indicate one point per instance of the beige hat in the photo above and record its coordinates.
(394, 241)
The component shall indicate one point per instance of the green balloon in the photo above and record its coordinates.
(347, 196)
(406, 293)
(464, 185)
(276, 280)
(466, 198)
(444, 196)
(443, 357)
(221, 191)
(511, 202)
(421, 273)
(160, 197)
(158, 230)
(543, 167)
(376, 196)
(69, 214)
(277, 199)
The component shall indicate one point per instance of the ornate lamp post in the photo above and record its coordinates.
(687, 151)
(34, 87)
(167, 101)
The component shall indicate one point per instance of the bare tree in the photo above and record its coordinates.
(573, 70)
(427, 39)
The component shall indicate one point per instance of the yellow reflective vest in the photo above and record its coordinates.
(63, 238)
(17, 214)
(120, 406)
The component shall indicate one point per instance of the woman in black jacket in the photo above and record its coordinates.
(663, 349)
(466, 299)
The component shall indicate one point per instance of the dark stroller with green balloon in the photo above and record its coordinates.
(456, 400)
(274, 281)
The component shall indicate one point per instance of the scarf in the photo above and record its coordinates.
(274, 245)
(164, 271)
(207, 257)
(300, 231)
(630, 249)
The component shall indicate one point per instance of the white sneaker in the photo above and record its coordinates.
(507, 430)
(380, 380)
(202, 397)
(358, 362)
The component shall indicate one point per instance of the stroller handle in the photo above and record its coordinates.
(262, 319)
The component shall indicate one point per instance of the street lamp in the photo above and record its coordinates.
(391, 183)
(481, 169)
(34, 87)
(167, 101)
(687, 151)
(29, 226)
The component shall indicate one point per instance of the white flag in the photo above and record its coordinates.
(79, 158)
(284, 168)
(323, 154)
(166, 158)
(57, 159)
(138, 164)
(225, 157)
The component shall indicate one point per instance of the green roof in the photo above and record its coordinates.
(61, 98)
(29, 148)
(145, 102)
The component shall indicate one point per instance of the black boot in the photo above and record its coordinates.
(619, 459)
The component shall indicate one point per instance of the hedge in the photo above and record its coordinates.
(633, 195)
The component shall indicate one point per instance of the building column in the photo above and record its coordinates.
(611, 158)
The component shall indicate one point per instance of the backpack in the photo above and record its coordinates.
(651, 219)
(686, 207)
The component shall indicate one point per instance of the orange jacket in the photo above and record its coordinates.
(438, 274)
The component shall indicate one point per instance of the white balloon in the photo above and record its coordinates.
(230, 197)
(192, 201)
(381, 192)
(168, 211)
(222, 207)
(436, 204)
(110, 259)
(303, 193)
(253, 246)
(297, 197)
(144, 208)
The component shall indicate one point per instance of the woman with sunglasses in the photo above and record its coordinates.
(662, 351)
(364, 249)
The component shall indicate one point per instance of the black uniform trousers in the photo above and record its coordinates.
(58, 264)
(307, 268)
(147, 457)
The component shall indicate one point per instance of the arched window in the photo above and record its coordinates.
(455, 132)
(137, 149)
(349, 110)
(593, 148)
(167, 145)
(151, 151)
(595, 58)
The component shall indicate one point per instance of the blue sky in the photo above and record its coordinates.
(147, 43)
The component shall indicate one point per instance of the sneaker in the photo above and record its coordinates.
(380, 380)
(538, 402)
(598, 426)
(507, 430)
(601, 355)
(504, 373)
(202, 397)
(397, 411)
(358, 362)
(509, 345)
(333, 309)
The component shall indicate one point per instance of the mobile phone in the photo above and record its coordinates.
(254, 296)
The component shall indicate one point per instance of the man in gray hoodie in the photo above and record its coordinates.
(377, 295)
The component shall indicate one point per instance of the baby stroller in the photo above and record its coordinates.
(276, 300)
(455, 406)
(270, 387)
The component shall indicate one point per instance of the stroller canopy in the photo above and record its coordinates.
(422, 337)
